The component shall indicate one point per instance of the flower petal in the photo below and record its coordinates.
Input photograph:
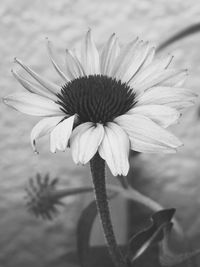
(174, 97)
(152, 69)
(114, 149)
(109, 55)
(77, 132)
(125, 58)
(32, 87)
(54, 88)
(144, 134)
(147, 147)
(147, 77)
(74, 68)
(90, 55)
(158, 79)
(33, 104)
(60, 135)
(125, 53)
(134, 62)
(85, 142)
(43, 127)
(149, 58)
(162, 115)
(55, 64)
(176, 81)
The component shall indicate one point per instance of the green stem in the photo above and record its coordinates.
(97, 165)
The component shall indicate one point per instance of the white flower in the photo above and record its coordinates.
(112, 101)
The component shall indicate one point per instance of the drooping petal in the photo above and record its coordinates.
(55, 64)
(145, 135)
(77, 132)
(86, 142)
(42, 128)
(109, 55)
(60, 135)
(114, 149)
(174, 97)
(74, 68)
(54, 88)
(33, 104)
(33, 88)
(147, 147)
(162, 115)
(90, 55)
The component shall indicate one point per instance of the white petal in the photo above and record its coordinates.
(134, 62)
(60, 135)
(170, 96)
(147, 147)
(151, 70)
(55, 64)
(114, 149)
(124, 58)
(54, 88)
(43, 127)
(162, 115)
(90, 55)
(176, 81)
(144, 133)
(157, 79)
(109, 55)
(85, 142)
(149, 58)
(33, 104)
(33, 88)
(74, 68)
(150, 75)
(74, 140)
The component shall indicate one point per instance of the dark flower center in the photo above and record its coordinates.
(96, 98)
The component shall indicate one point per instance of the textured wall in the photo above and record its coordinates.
(172, 180)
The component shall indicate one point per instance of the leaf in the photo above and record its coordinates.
(140, 242)
(180, 35)
(169, 258)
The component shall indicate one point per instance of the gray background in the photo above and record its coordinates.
(172, 180)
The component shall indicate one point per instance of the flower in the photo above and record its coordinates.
(110, 102)
(41, 198)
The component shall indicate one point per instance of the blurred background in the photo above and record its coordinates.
(172, 180)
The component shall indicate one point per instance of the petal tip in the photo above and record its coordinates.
(16, 60)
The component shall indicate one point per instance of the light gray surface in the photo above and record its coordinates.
(173, 180)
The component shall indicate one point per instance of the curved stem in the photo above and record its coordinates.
(192, 29)
(97, 165)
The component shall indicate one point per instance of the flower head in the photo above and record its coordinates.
(109, 102)
(40, 199)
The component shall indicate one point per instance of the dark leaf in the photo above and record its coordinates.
(140, 242)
